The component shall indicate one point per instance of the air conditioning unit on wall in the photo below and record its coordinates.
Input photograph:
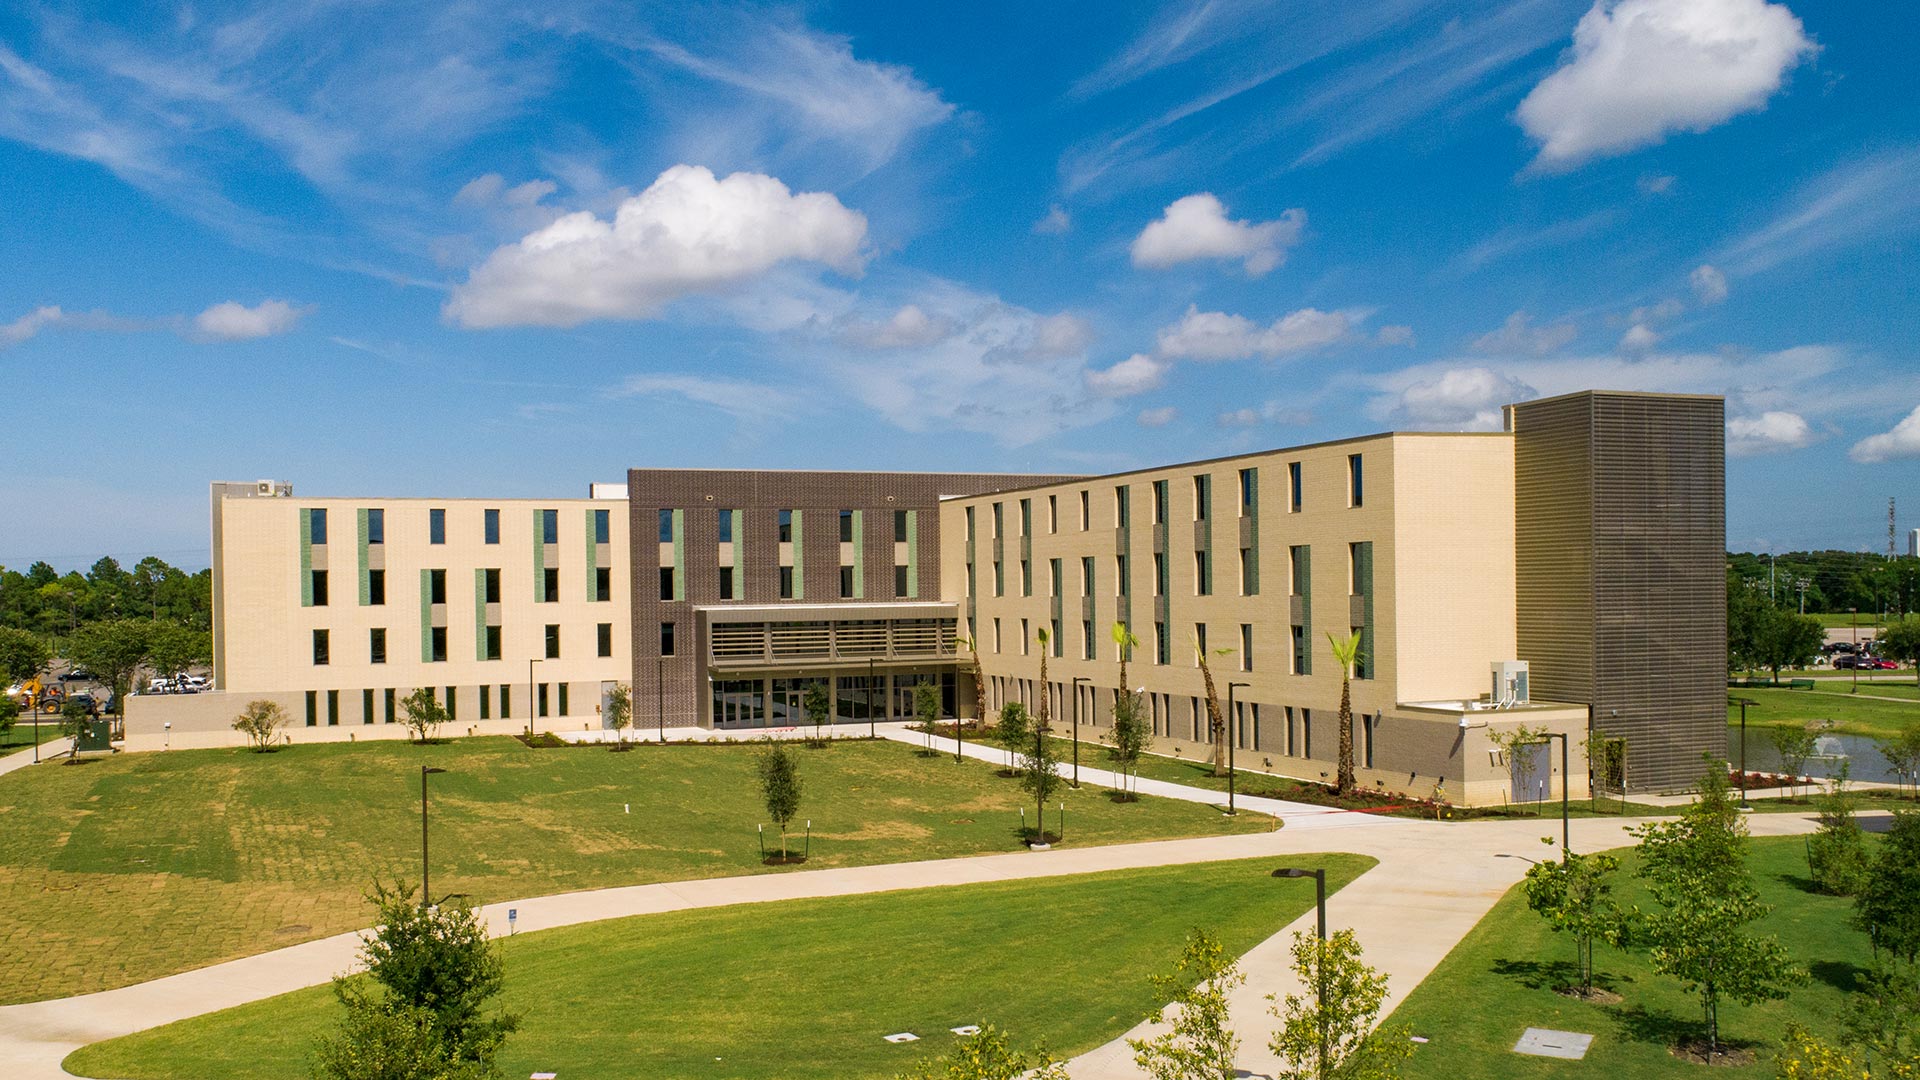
(1509, 683)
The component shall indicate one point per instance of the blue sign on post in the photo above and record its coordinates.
(512, 914)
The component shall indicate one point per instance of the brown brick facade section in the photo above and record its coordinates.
(818, 497)
(1620, 547)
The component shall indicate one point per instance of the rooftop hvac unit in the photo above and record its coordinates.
(272, 489)
(1509, 683)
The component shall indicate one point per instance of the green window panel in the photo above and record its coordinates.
(480, 614)
(679, 554)
(539, 559)
(366, 587)
(859, 554)
(799, 562)
(590, 580)
(306, 556)
(913, 554)
(426, 616)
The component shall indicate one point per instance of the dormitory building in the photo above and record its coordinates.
(1564, 574)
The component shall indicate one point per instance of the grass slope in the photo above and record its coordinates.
(1500, 981)
(1861, 714)
(806, 989)
(103, 863)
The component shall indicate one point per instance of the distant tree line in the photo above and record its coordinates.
(1836, 580)
(43, 601)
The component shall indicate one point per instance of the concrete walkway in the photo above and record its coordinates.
(1295, 815)
(1434, 881)
(52, 748)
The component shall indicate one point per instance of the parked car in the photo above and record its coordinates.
(1882, 663)
(1852, 661)
(86, 701)
(77, 674)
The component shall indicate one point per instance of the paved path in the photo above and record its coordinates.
(1296, 815)
(1434, 881)
(52, 748)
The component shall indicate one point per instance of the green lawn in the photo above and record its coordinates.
(103, 863)
(1849, 713)
(805, 989)
(22, 735)
(1500, 980)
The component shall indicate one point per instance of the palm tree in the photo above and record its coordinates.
(1345, 651)
(1046, 693)
(1216, 724)
(1124, 638)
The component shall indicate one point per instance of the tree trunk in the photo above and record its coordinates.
(1344, 783)
(1217, 727)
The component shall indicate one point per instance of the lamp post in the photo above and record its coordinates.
(34, 700)
(1744, 703)
(1077, 680)
(1853, 616)
(870, 732)
(1566, 784)
(660, 696)
(425, 894)
(1233, 739)
(1319, 876)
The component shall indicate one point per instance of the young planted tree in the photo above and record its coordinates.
(9, 716)
(989, 1055)
(1902, 752)
(1888, 908)
(73, 724)
(1901, 641)
(1696, 869)
(1014, 730)
(1883, 1015)
(1837, 851)
(420, 1010)
(1040, 775)
(1328, 1032)
(260, 721)
(1346, 651)
(422, 714)
(1130, 736)
(814, 702)
(1199, 1044)
(1794, 745)
(1575, 896)
(926, 709)
(620, 710)
(780, 787)
(1216, 721)
(1044, 718)
(1123, 637)
(1516, 745)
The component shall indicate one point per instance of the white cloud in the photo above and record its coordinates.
(1272, 412)
(1639, 338)
(233, 321)
(1901, 443)
(1056, 222)
(1137, 374)
(686, 233)
(1655, 184)
(1216, 335)
(1239, 418)
(907, 328)
(1465, 398)
(1159, 417)
(1197, 227)
(1641, 69)
(1519, 337)
(26, 326)
(1652, 314)
(1709, 285)
(1394, 335)
(1862, 201)
(1767, 433)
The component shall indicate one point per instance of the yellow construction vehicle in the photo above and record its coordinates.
(35, 694)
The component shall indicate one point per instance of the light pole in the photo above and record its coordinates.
(1319, 876)
(1853, 616)
(1077, 680)
(1744, 703)
(1566, 784)
(425, 895)
(660, 696)
(870, 732)
(34, 700)
(1233, 739)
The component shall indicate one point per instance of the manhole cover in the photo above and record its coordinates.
(1545, 1042)
(903, 1037)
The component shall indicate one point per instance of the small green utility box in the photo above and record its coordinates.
(96, 736)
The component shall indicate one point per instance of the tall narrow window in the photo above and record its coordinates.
(899, 581)
(1086, 511)
(1026, 517)
(436, 586)
(322, 652)
(493, 644)
(1293, 486)
(436, 526)
(999, 579)
(899, 526)
(1299, 650)
(376, 526)
(376, 588)
(1026, 636)
(490, 520)
(604, 635)
(999, 519)
(1086, 639)
(1246, 646)
(1199, 642)
(786, 527)
(437, 644)
(602, 527)
(1053, 575)
(1249, 573)
(846, 526)
(1026, 577)
(603, 583)
(726, 583)
(666, 639)
(1162, 648)
(491, 587)
(551, 575)
(1159, 502)
(313, 708)
(377, 645)
(666, 583)
(1057, 639)
(317, 527)
(1159, 573)
(786, 583)
(846, 582)
(723, 520)
(1122, 509)
(1124, 582)
(319, 578)
(549, 526)
(1248, 496)
(1086, 575)
(1053, 513)
(1355, 491)
(553, 641)
(1202, 498)
(1203, 573)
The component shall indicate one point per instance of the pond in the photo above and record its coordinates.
(1860, 751)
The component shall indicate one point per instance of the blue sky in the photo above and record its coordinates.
(483, 249)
